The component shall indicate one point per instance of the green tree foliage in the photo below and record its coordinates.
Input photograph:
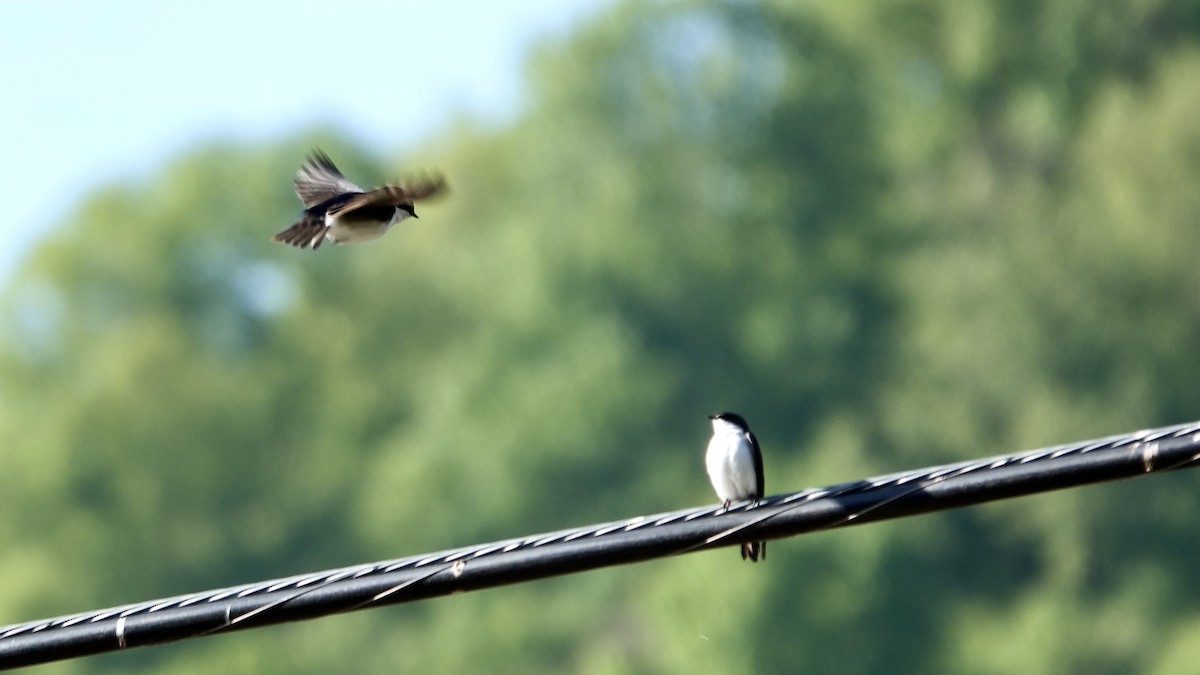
(889, 233)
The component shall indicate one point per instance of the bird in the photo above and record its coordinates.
(339, 211)
(735, 467)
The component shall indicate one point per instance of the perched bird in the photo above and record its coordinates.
(340, 211)
(735, 467)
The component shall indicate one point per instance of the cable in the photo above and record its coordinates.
(538, 556)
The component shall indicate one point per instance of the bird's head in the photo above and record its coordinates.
(728, 419)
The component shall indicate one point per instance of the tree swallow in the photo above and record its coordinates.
(340, 211)
(735, 467)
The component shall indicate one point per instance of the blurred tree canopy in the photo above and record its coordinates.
(889, 233)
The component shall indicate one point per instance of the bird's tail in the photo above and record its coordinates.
(308, 232)
(754, 550)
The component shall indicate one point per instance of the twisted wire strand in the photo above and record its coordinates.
(642, 538)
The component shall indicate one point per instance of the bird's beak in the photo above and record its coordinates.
(712, 417)
(416, 216)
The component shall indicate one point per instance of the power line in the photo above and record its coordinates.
(539, 556)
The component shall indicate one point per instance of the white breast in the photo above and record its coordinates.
(730, 463)
(341, 233)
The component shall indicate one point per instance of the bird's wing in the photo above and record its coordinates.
(424, 187)
(318, 180)
(758, 465)
(392, 195)
(756, 550)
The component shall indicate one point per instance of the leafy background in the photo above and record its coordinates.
(890, 234)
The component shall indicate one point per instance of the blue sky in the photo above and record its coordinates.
(97, 92)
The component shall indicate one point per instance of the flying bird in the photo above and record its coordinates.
(340, 211)
(735, 467)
